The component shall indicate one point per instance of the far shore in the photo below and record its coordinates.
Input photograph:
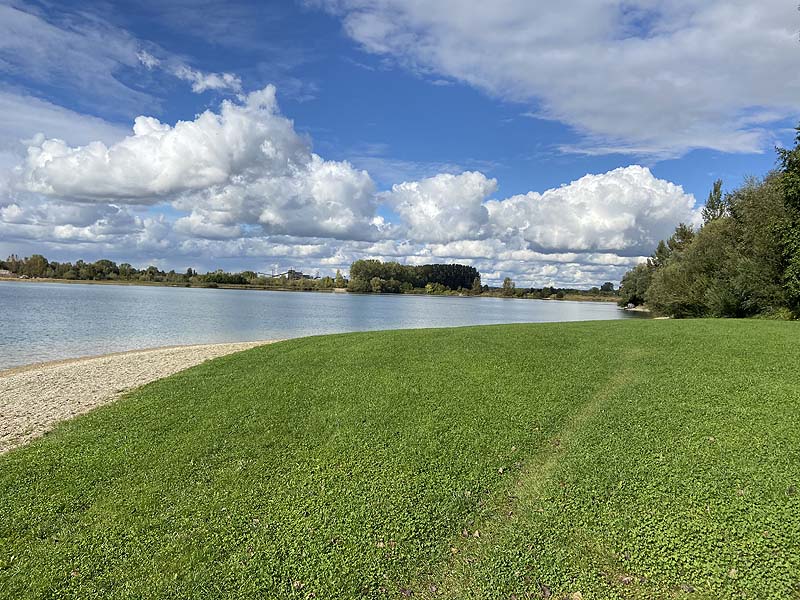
(261, 288)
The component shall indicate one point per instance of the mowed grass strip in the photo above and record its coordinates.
(628, 459)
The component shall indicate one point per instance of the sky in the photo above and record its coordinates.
(554, 143)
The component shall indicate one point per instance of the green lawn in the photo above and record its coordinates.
(626, 459)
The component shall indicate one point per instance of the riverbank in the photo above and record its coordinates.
(34, 398)
(228, 286)
(221, 286)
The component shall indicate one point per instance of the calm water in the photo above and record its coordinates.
(49, 321)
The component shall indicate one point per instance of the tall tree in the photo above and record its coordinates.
(715, 205)
(508, 287)
(339, 281)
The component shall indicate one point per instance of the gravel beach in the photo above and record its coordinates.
(34, 398)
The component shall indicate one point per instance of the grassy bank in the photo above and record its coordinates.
(626, 459)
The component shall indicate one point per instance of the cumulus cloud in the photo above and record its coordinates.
(158, 159)
(631, 75)
(444, 207)
(325, 198)
(243, 165)
(626, 210)
(240, 184)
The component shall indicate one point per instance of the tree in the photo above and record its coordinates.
(607, 287)
(339, 281)
(508, 287)
(683, 236)
(789, 161)
(634, 285)
(715, 205)
(36, 266)
(359, 285)
(661, 255)
(126, 271)
(476, 285)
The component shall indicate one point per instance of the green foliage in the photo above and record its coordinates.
(435, 289)
(635, 284)
(789, 161)
(743, 262)
(339, 281)
(362, 465)
(508, 287)
(106, 270)
(715, 205)
(394, 277)
(359, 285)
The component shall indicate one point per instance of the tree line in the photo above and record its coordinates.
(366, 276)
(39, 267)
(744, 260)
(374, 276)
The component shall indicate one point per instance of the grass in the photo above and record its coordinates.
(628, 459)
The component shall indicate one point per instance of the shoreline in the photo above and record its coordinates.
(35, 398)
(79, 359)
(258, 288)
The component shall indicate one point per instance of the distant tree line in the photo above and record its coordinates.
(510, 290)
(744, 260)
(374, 276)
(38, 267)
(366, 276)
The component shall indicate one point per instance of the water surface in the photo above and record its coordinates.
(50, 321)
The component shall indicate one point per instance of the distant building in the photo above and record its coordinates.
(6, 273)
(291, 274)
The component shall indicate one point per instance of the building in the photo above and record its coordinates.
(6, 273)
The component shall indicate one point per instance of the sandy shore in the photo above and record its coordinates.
(34, 398)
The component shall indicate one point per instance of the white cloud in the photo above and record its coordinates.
(247, 189)
(147, 59)
(245, 140)
(324, 198)
(200, 81)
(632, 76)
(444, 207)
(208, 81)
(245, 165)
(626, 210)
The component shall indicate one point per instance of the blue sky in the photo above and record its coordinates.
(516, 138)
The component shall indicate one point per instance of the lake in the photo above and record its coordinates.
(49, 321)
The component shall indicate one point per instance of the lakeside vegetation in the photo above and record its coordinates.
(522, 461)
(743, 262)
(366, 277)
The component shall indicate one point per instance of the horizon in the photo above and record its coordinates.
(514, 138)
